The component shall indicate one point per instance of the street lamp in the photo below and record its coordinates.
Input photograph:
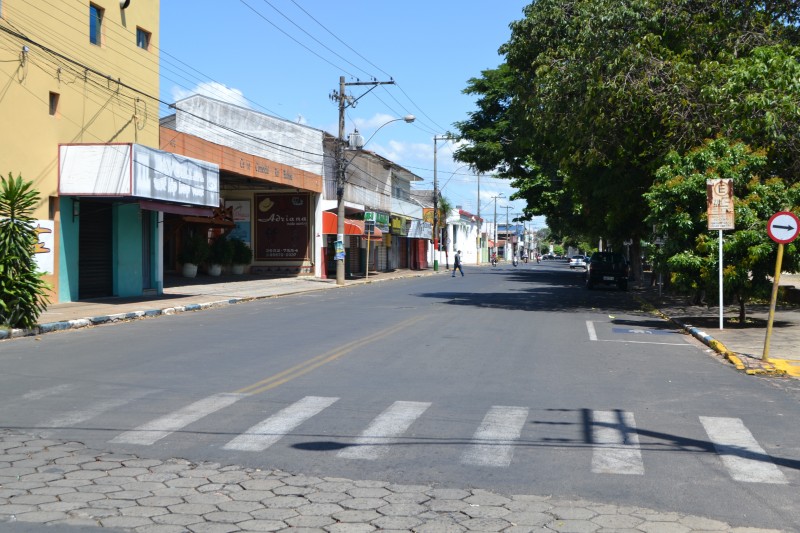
(356, 142)
(341, 167)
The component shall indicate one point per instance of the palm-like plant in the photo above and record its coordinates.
(23, 293)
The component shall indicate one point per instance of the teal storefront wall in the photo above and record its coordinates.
(126, 250)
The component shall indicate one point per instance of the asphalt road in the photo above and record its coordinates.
(510, 379)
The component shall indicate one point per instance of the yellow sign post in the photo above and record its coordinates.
(781, 228)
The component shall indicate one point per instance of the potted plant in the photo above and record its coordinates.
(220, 254)
(242, 255)
(195, 251)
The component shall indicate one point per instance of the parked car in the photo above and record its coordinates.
(607, 268)
(577, 261)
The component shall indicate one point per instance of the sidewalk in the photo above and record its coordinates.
(741, 344)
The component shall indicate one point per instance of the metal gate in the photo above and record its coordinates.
(95, 270)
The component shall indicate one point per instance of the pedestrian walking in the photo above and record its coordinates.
(457, 264)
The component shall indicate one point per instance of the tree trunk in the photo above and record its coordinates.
(636, 261)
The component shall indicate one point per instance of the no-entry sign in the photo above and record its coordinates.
(783, 227)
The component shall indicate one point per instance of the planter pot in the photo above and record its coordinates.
(189, 270)
(237, 269)
(214, 270)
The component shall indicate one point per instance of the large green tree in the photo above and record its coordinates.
(594, 94)
(677, 203)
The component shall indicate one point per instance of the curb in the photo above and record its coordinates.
(763, 368)
(79, 323)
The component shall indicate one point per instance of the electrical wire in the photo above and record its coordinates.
(60, 61)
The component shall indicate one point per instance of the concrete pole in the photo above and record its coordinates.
(340, 182)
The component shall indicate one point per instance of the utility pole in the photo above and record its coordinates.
(435, 231)
(507, 239)
(344, 101)
(495, 220)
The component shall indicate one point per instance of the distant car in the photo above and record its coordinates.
(607, 268)
(577, 261)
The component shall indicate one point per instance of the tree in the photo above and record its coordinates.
(23, 293)
(678, 209)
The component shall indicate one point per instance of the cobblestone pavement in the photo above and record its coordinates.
(64, 483)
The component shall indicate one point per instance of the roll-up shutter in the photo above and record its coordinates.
(95, 268)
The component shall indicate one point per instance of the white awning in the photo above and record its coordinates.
(133, 170)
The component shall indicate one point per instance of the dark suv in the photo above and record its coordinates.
(607, 268)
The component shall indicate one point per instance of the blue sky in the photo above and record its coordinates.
(284, 58)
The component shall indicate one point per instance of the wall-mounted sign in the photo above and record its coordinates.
(43, 252)
(282, 226)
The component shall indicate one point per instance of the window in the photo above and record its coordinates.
(54, 104)
(95, 24)
(142, 39)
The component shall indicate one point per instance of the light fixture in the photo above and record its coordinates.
(355, 141)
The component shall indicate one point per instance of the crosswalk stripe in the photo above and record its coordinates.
(76, 417)
(44, 393)
(268, 432)
(615, 444)
(384, 430)
(493, 442)
(161, 427)
(741, 454)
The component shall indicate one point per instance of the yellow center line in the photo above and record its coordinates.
(322, 359)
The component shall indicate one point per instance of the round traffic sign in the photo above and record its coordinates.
(783, 227)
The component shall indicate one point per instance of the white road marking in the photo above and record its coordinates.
(616, 444)
(493, 442)
(76, 417)
(384, 430)
(592, 332)
(161, 427)
(744, 458)
(646, 342)
(44, 393)
(263, 435)
(593, 337)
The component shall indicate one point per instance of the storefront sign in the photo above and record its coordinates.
(282, 227)
(382, 221)
(398, 226)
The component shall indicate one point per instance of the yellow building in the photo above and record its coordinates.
(79, 85)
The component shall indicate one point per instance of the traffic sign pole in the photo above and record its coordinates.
(773, 299)
(782, 228)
